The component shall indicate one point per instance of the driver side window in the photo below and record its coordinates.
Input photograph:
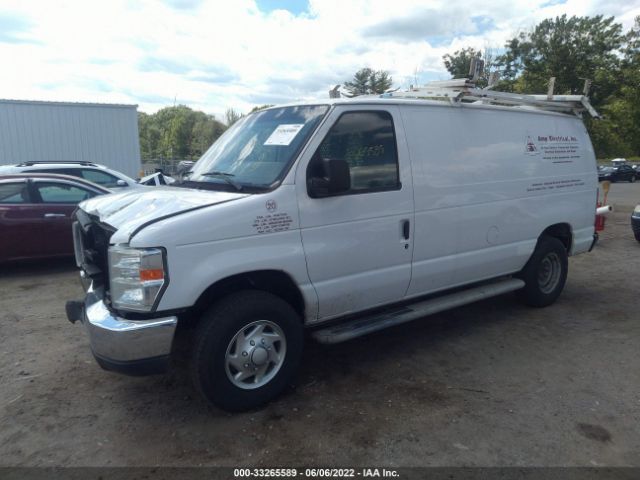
(366, 141)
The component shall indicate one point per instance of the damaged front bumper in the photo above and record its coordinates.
(132, 347)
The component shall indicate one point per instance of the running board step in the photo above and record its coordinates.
(365, 325)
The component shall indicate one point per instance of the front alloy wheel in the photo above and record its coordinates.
(255, 354)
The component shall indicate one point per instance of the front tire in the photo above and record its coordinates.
(247, 350)
(545, 273)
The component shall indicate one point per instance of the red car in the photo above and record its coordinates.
(35, 214)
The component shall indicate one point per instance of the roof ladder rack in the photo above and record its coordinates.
(40, 162)
(464, 90)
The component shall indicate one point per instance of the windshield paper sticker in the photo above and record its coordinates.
(284, 134)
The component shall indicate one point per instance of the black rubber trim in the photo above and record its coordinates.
(595, 240)
(398, 308)
(147, 315)
(75, 310)
(135, 368)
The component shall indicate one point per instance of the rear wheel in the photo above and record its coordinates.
(545, 273)
(247, 350)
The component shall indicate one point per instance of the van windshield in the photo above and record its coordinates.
(258, 149)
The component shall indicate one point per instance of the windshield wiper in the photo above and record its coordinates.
(224, 176)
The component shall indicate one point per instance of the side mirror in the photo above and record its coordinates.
(121, 183)
(336, 179)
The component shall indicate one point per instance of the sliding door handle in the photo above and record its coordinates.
(406, 229)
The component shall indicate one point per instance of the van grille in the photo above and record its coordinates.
(91, 245)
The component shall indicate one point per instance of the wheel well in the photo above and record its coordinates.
(273, 281)
(561, 231)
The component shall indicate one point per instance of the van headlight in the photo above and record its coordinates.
(137, 277)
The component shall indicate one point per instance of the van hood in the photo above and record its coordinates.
(132, 210)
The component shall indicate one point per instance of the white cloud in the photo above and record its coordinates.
(212, 55)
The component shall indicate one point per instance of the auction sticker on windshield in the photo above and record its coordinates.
(284, 134)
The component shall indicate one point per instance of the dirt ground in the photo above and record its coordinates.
(490, 384)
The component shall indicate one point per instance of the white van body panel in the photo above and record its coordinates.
(130, 210)
(479, 184)
(482, 199)
(356, 255)
(258, 232)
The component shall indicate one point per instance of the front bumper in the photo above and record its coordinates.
(635, 226)
(132, 347)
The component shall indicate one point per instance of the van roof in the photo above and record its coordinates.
(463, 92)
(379, 100)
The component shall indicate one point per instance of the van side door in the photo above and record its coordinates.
(357, 243)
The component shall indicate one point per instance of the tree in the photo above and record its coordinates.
(177, 133)
(459, 63)
(367, 81)
(618, 134)
(569, 49)
(231, 116)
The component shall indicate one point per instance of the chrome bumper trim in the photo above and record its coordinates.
(122, 340)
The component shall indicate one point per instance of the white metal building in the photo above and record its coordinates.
(94, 132)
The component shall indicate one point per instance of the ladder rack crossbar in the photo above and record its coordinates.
(459, 90)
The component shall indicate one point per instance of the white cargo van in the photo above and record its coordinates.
(341, 218)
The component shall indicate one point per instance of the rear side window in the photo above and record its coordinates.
(62, 193)
(367, 142)
(101, 178)
(60, 171)
(14, 193)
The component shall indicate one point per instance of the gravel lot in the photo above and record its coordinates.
(494, 383)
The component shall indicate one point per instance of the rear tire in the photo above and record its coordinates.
(545, 273)
(247, 350)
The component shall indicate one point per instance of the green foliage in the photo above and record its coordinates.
(177, 133)
(367, 81)
(459, 63)
(571, 50)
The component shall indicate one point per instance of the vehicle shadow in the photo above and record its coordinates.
(329, 373)
(47, 266)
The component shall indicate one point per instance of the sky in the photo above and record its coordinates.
(213, 55)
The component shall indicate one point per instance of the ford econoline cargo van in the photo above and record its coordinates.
(340, 218)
